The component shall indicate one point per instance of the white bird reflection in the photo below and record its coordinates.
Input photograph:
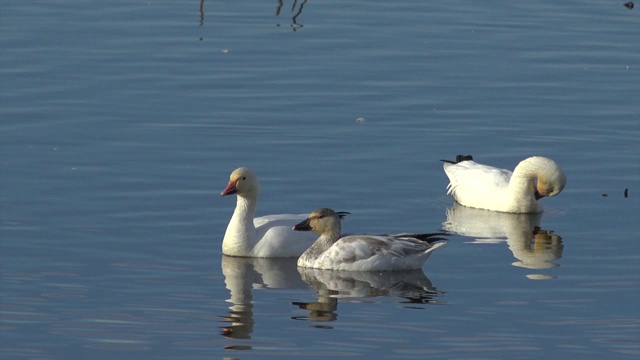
(241, 276)
(533, 247)
(330, 285)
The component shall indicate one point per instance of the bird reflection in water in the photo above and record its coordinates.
(533, 247)
(241, 276)
(414, 287)
(537, 251)
(325, 309)
(201, 8)
(295, 10)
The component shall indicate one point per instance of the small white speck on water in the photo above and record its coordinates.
(224, 51)
(360, 120)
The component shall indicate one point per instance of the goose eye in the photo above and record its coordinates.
(244, 178)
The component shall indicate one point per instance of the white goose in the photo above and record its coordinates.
(267, 236)
(362, 252)
(486, 187)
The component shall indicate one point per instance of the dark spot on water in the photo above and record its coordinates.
(238, 347)
(626, 192)
(604, 195)
(322, 327)
(629, 5)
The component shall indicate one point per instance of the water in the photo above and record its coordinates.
(121, 122)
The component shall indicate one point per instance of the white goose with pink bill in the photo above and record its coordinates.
(268, 236)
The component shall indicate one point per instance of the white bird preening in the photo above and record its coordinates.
(265, 236)
(518, 191)
(363, 252)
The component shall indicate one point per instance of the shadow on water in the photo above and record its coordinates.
(534, 247)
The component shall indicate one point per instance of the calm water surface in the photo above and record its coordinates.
(121, 122)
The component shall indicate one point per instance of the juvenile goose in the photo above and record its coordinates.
(518, 191)
(265, 236)
(362, 252)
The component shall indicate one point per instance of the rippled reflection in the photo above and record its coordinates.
(201, 8)
(534, 247)
(330, 285)
(296, 11)
(242, 275)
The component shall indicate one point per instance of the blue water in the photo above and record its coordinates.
(120, 123)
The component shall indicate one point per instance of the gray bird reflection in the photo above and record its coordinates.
(241, 276)
(533, 247)
(413, 287)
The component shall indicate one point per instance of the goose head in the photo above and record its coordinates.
(322, 221)
(242, 182)
(551, 179)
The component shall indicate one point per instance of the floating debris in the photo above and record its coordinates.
(626, 192)
(360, 120)
(224, 51)
(629, 5)
(604, 195)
